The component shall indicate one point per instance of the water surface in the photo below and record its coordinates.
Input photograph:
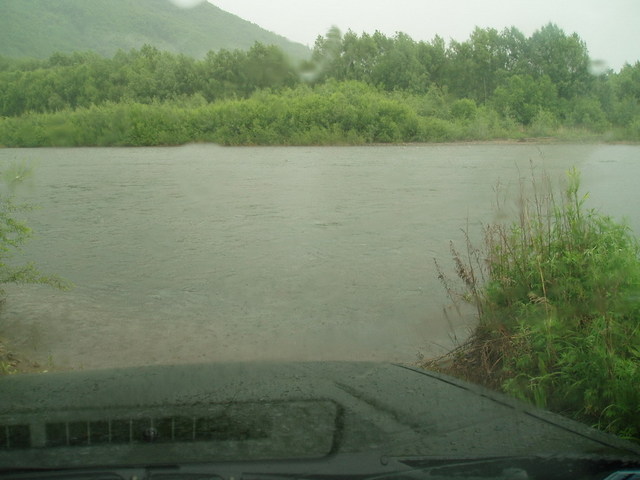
(202, 253)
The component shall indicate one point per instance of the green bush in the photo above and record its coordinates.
(464, 109)
(522, 97)
(558, 299)
(632, 132)
(587, 113)
(544, 124)
(347, 112)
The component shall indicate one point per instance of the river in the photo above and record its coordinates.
(205, 253)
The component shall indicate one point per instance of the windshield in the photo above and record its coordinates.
(244, 231)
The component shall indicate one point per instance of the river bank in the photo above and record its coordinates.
(348, 113)
(13, 362)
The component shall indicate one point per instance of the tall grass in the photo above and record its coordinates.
(557, 293)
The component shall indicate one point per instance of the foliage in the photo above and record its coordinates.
(494, 85)
(464, 109)
(563, 58)
(558, 299)
(14, 233)
(587, 112)
(544, 124)
(523, 97)
(333, 112)
(146, 75)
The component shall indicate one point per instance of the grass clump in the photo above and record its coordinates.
(557, 294)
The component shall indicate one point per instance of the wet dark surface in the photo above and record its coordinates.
(259, 411)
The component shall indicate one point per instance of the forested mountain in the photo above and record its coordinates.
(39, 28)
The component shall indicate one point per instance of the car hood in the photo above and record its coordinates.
(263, 411)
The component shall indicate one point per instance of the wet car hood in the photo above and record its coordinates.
(262, 411)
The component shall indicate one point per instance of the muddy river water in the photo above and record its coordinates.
(204, 253)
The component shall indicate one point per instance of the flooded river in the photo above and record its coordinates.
(204, 253)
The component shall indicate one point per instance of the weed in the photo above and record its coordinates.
(557, 293)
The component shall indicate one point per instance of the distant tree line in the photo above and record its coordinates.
(68, 81)
(542, 82)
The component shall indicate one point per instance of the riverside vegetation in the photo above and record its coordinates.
(557, 294)
(356, 89)
(13, 234)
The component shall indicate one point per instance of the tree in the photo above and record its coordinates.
(359, 56)
(516, 50)
(398, 66)
(564, 59)
(626, 92)
(267, 67)
(523, 97)
(627, 83)
(326, 55)
(433, 55)
(222, 74)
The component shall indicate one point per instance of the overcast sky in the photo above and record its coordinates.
(611, 28)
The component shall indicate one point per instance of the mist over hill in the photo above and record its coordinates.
(39, 28)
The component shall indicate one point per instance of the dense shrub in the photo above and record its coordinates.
(558, 299)
(464, 109)
(543, 124)
(588, 113)
(331, 113)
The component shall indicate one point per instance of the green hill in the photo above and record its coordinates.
(38, 28)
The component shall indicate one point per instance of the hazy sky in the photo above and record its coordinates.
(611, 28)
